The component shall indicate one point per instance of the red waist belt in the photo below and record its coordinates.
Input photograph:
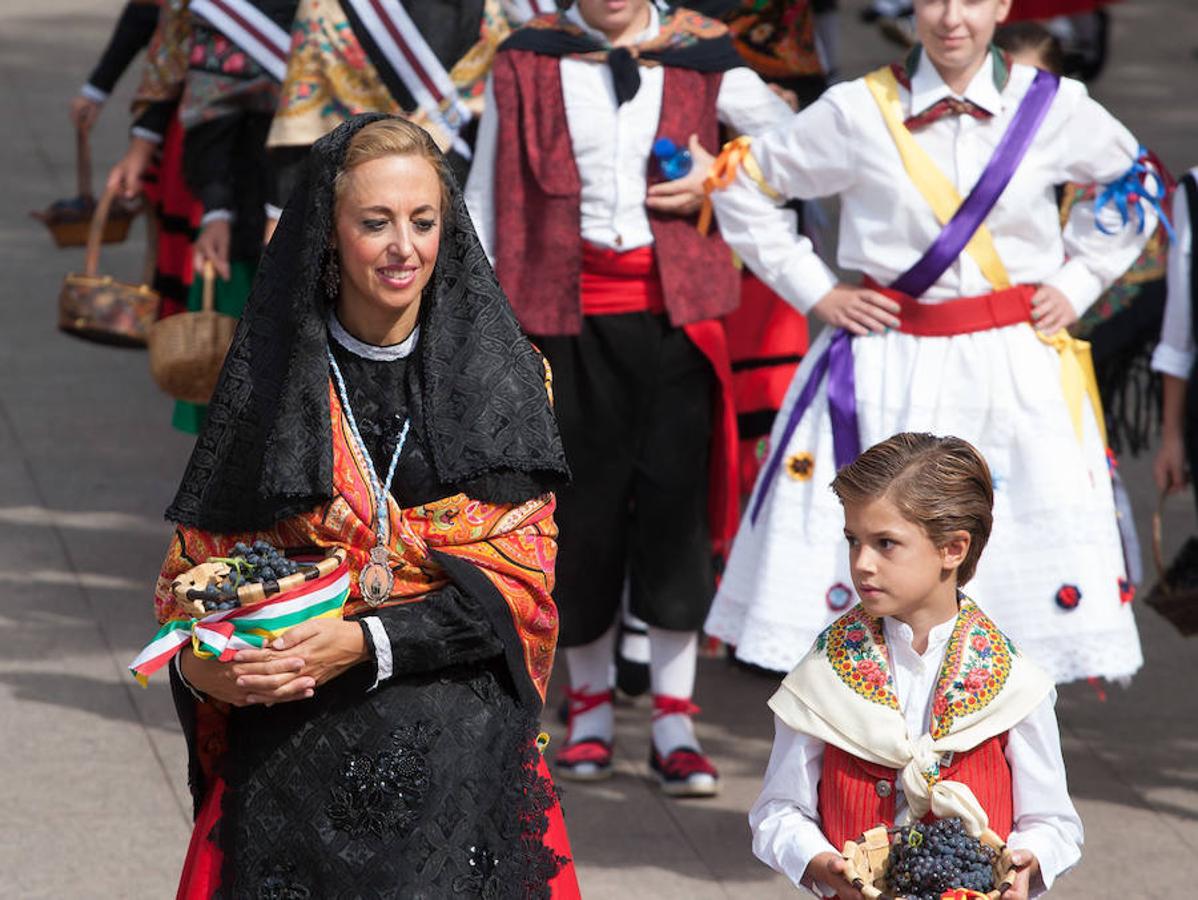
(964, 315)
(615, 283)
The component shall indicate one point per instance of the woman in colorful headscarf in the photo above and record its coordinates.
(378, 398)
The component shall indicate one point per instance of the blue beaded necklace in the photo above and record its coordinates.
(375, 579)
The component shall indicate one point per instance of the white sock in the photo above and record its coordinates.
(634, 638)
(590, 669)
(673, 656)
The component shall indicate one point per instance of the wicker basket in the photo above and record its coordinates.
(1175, 594)
(69, 221)
(190, 588)
(188, 349)
(98, 307)
(866, 858)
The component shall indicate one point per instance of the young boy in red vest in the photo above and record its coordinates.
(592, 232)
(913, 705)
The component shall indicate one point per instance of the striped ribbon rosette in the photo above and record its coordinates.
(221, 634)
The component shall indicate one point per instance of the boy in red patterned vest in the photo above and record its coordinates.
(913, 705)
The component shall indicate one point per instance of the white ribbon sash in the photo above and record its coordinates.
(407, 53)
(251, 30)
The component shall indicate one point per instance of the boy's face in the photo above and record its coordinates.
(957, 33)
(897, 569)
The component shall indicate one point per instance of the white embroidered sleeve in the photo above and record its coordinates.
(384, 662)
(785, 818)
(1046, 823)
(1098, 149)
(1174, 355)
(808, 156)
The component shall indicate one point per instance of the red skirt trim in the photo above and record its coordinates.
(201, 869)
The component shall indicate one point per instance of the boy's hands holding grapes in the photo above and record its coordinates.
(828, 869)
(1027, 866)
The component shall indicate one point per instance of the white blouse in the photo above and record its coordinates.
(785, 819)
(612, 143)
(1174, 355)
(840, 146)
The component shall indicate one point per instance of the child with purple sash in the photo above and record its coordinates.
(945, 167)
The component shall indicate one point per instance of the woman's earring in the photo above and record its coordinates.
(332, 276)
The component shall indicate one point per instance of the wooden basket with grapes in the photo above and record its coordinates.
(929, 862)
(250, 574)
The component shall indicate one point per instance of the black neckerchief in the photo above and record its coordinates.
(677, 44)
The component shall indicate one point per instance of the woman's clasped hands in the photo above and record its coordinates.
(290, 668)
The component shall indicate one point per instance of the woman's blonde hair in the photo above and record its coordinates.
(942, 484)
(395, 137)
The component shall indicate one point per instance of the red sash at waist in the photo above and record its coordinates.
(963, 315)
(615, 282)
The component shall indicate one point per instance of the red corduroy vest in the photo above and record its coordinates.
(538, 243)
(855, 795)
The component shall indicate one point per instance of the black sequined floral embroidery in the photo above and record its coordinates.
(381, 794)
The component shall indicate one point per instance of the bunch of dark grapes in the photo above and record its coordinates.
(926, 860)
(250, 564)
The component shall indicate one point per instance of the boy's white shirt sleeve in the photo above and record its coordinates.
(1046, 822)
(1174, 355)
(763, 233)
(785, 818)
(480, 184)
(1101, 150)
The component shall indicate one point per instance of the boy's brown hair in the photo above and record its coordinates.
(942, 484)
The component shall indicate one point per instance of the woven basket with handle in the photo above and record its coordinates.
(188, 349)
(1175, 594)
(98, 307)
(69, 221)
(866, 857)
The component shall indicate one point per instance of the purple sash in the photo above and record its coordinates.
(837, 359)
(972, 213)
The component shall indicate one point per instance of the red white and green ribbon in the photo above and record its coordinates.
(222, 634)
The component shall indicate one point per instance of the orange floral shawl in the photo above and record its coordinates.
(513, 546)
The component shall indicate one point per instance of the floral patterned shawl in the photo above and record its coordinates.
(843, 694)
(513, 547)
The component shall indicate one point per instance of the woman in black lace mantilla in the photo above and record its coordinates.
(378, 398)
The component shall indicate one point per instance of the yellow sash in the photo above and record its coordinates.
(1077, 366)
(929, 180)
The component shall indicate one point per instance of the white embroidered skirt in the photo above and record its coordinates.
(1052, 574)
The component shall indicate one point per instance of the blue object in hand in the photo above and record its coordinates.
(674, 161)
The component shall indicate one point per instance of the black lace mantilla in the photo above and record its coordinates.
(265, 452)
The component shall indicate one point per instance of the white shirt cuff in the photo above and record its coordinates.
(1081, 286)
(274, 212)
(382, 650)
(93, 93)
(804, 281)
(1172, 361)
(217, 215)
(146, 135)
(1046, 850)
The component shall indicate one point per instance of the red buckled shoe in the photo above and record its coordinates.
(588, 759)
(685, 772)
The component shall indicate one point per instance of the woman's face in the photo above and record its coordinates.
(388, 231)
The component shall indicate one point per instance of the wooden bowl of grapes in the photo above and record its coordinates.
(250, 574)
(923, 862)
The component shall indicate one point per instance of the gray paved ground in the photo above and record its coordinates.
(92, 800)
